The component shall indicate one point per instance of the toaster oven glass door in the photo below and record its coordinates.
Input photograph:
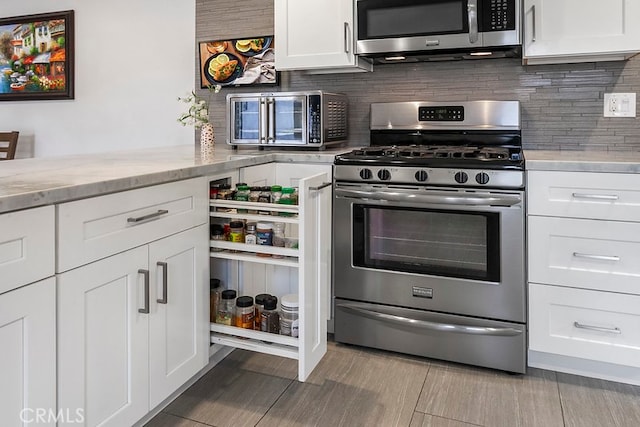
(287, 120)
(246, 121)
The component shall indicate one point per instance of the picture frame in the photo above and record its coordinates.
(37, 57)
(238, 62)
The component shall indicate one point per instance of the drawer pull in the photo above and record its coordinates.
(598, 257)
(163, 265)
(320, 187)
(597, 328)
(149, 216)
(145, 309)
(595, 196)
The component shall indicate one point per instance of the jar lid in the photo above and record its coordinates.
(251, 226)
(214, 283)
(271, 303)
(240, 184)
(236, 224)
(244, 301)
(217, 229)
(266, 188)
(242, 187)
(261, 298)
(289, 190)
(276, 188)
(265, 225)
(255, 188)
(290, 301)
(228, 294)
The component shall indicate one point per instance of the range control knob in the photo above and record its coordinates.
(366, 174)
(384, 175)
(482, 178)
(421, 176)
(461, 177)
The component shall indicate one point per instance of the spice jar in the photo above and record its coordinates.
(276, 193)
(217, 233)
(242, 195)
(250, 237)
(269, 318)
(287, 199)
(225, 192)
(236, 231)
(259, 305)
(289, 315)
(277, 239)
(213, 191)
(245, 312)
(254, 195)
(264, 233)
(214, 298)
(264, 197)
(226, 308)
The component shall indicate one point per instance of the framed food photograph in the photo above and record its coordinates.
(36, 56)
(238, 62)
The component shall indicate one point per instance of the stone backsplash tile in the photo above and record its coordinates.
(562, 104)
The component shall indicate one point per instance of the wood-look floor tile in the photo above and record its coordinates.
(168, 420)
(590, 402)
(230, 395)
(425, 420)
(348, 389)
(491, 398)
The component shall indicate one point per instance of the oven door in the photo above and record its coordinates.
(446, 250)
(386, 26)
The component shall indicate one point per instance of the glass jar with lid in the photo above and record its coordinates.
(287, 198)
(215, 293)
(226, 308)
(277, 239)
(245, 312)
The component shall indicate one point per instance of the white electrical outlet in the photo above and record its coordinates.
(619, 104)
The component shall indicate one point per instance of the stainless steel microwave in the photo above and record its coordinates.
(286, 119)
(395, 28)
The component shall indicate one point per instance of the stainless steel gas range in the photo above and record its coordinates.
(429, 235)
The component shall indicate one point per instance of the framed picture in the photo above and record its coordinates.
(237, 62)
(36, 57)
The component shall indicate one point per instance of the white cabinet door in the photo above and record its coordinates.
(28, 354)
(179, 318)
(103, 351)
(314, 271)
(580, 30)
(316, 36)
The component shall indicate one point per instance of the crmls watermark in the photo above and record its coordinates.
(48, 415)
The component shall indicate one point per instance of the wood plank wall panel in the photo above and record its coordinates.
(562, 105)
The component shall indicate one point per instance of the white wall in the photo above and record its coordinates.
(133, 58)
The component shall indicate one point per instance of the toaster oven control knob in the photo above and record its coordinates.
(384, 175)
(366, 174)
(461, 177)
(421, 176)
(482, 178)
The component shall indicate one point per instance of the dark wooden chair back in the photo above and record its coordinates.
(8, 144)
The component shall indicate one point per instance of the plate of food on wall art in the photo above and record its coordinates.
(238, 62)
(36, 56)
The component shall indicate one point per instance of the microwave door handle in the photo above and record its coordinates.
(472, 13)
(271, 108)
(263, 125)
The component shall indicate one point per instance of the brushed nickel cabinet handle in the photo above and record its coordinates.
(595, 196)
(320, 187)
(599, 257)
(533, 20)
(597, 328)
(160, 212)
(145, 309)
(346, 38)
(164, 298)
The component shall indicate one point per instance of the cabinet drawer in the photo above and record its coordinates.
(98, 227)
(584, 195)
(594, 325)
(27, 246)
(601, 255)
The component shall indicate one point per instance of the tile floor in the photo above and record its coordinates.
(354, 386)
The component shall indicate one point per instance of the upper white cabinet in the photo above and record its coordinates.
(580, 30)
(316, 36)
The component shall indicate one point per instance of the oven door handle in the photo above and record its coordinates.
(439, 198)
(432, 326)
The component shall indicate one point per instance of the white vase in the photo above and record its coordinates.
(206, 140)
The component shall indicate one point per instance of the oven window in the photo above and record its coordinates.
(382, 18)
(436, 242)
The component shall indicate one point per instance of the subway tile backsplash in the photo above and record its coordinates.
(562, 105)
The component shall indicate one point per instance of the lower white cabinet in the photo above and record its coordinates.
(132, 328)
(28, 355)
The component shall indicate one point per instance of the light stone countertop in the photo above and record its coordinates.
(583, 161)
(27, 183)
